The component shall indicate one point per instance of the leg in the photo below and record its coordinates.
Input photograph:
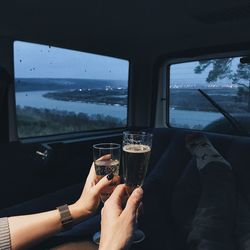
(243, 223)
(213, 223)
(77, 245)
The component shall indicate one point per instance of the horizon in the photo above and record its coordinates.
(71, 78)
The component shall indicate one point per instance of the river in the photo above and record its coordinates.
(192, 118)
(35, 99)
(184, 117)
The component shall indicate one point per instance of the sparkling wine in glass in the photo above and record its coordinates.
(107, 160)
(136, 154)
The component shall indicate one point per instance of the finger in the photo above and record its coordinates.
(91, 179)
(116, 181)
(134, 201)
(114, 203)
(92, 173)
(92, 170)
(116, 199)
(104, 157)
(103, 183)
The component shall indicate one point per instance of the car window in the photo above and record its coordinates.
(63, 91)
(226, 81)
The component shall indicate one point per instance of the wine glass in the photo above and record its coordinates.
(106, 160)
(136, 154)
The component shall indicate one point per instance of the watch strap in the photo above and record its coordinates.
(66, 217)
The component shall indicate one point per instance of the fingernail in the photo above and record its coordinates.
(110, 176)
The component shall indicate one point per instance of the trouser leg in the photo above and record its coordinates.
(212, 226)
(243, 222)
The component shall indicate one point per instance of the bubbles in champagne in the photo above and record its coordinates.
(136, 148)
(135, 162)
(106, 167)
(103, 168)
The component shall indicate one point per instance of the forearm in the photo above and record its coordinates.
(28, 230)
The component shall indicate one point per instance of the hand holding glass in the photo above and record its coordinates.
(136, 155)
(107, 160)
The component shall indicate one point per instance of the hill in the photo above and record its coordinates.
(34, 84)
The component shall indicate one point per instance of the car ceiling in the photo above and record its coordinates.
(127, 28)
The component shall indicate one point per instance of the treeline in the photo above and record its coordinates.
(191, 99)
(36, 84)
(109, 96)
(32, 122)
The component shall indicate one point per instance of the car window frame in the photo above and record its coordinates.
(165, 82)
(69, 136)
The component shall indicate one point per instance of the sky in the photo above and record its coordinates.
(185, 72)
(41, 61)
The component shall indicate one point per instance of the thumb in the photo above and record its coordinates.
(134, 201)
(103, 183)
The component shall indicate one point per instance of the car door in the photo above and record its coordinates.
(60, 102)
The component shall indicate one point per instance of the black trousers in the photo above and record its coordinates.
(213, 224)
(207, 213)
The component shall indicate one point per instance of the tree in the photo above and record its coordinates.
(222, 68)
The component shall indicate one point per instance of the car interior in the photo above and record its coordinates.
(170, 68)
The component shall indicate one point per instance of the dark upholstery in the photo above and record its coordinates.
(171, 189)
(44, 203)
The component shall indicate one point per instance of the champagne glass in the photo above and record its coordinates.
(106, 160)
(136, 154)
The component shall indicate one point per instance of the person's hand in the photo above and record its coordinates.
(117, 225)
(89, 200)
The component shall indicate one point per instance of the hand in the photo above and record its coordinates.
(89, 200)
(43, 225)
(117, 225)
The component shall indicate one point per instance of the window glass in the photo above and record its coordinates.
(225, 82)
(61, 91)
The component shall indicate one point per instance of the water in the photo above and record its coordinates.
(35, 99)
(181, 118)
(177, 117)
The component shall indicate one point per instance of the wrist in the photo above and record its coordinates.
(78, 212)
(109, 245)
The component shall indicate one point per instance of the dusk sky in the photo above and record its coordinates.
(34, 60)
(185, 72)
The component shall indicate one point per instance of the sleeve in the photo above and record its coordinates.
(5, 242)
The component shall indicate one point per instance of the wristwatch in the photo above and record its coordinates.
(66, 217)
